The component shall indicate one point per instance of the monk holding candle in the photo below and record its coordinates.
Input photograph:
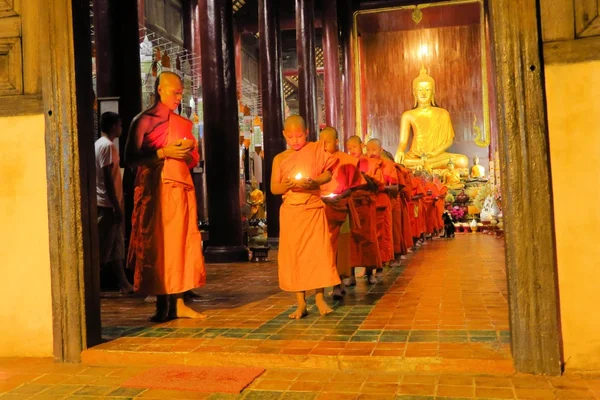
(384, 204)
(306, 258)
(340, 210)
(165, 249)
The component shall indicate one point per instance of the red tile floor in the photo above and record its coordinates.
(436, 327)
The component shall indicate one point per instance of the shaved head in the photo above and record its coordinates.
(354, 139)
(169, 89)
(294, 121)
(295, 132)
(374, 142)
(374, 148)
(330, 137)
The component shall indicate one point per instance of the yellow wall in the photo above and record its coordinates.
(574, 125)
(26, 312)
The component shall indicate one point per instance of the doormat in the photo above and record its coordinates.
(196, 379)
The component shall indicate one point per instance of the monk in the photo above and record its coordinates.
(430, 199)
(340, 210)
(442, 193)
(417, 198)
(396, 206)
(306, 258)
(405, 200)
(384, 204)
(364, 247)
(165, 249)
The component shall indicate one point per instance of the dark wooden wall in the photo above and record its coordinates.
(391, 62)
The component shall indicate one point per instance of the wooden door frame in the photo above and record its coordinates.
(525, 178)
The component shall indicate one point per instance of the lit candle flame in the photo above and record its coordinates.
(331, 195)
(298, 176)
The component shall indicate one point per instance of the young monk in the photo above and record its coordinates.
(442, 193)
(396, 206)
(340, 210)
(418, 194)
(306, 258)
(165, 249)
(405, 200)
(384, 205)
(364, 247)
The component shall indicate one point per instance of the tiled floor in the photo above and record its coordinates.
(43, 379)
(446, 304)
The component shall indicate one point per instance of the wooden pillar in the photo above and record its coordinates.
(332, 63)
(221, 135)
(272, 103)
(346, 10)
(307, 68)
(118, 74)
(526, 187)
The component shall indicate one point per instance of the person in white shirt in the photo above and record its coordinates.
(257, 163)
(109, 195)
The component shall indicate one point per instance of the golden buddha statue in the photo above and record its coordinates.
(477, 171)
(432, 129)
(452, 177)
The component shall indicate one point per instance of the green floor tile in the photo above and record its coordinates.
(262, 395)
(63, 389)
(483, 333)
(393, 339)
(91, 390)
(371, 339)
(484, 339)
(125, 392)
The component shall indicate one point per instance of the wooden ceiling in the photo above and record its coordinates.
(433, 17)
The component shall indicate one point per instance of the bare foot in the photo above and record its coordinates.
(323, 307)
(150, 299)
(184, 311)
(299, 313)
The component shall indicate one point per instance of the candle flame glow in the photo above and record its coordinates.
(331, 195)
(298, 176)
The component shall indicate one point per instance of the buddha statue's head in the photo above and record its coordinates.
(424, 89)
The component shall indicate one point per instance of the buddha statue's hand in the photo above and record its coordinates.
(399, 158)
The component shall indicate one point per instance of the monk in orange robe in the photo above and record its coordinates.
(340, 211)
(405, 200)
(396, 206)
(165, 249)
(306, 258)
(384, 204)
(440, 204)
(430, 199)
(364, 247)
(418, 194)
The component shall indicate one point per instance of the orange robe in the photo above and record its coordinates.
(364, 247)
(342, 213)
(430, 208)
(384, 211)
(165, 249)
(441, 204)
(306, 258)
(419, 226)
(396, 203)
(404, 198)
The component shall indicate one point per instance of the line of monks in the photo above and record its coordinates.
(342, 211)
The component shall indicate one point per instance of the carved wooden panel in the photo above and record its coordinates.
(587, 19)
(11, 56)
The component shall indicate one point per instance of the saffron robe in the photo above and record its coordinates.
(341, 214)
(441, 203)
(364, 247)
(306, 258)
(430, 208)
(384, 212)
(397, 214)
(165, 249)
(418, 189)
(404, 198)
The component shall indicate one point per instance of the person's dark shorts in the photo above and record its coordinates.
(110, 236)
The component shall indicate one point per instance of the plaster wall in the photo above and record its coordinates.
(573, 111)
(26, 315)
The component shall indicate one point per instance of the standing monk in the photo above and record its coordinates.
(396, 204)
(306, 259)
(165, 249)
(384, 204)
(364, 249)
(340, 210)
(440, 204)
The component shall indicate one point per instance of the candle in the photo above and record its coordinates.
(298, 176)
(330, 195)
